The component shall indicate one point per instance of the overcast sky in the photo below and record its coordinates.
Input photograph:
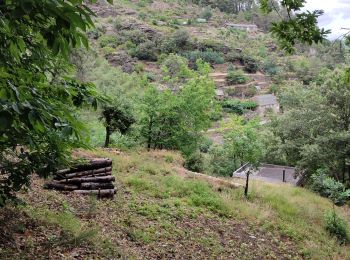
(336, 16)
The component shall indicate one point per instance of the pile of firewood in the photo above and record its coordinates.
(94, 177)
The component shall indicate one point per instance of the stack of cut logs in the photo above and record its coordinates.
(94, 177)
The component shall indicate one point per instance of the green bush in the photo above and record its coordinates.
(213, 45)
(145, 51)
(206, 14)
(336, 226)
(175, 67)
(208, 56)
(108, 41)
(238, 107)
(236, 77)
(107, 51)
(135, 36)
(194, 162)
(205, 145)
(250, 105)
(330, 188)
(270, 67)
(178, 41)
(235, 56)
(251, 65)
(219, 162)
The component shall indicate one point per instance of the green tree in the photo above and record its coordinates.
(116, 117)
(175, 120)
(314, 129)
(37, 104)
(243, 142)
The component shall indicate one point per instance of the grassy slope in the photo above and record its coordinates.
(159, 212)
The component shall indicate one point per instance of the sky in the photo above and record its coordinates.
(336, 16)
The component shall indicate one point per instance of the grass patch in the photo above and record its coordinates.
(74, 232)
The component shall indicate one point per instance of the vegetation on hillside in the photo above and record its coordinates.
(161, 210)
(158, 79)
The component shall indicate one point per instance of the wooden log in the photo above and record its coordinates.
(60, 186)
(83, 173)
(99, 174)
(96, 186)
(90, 165)
(99, 193)
(88, 179)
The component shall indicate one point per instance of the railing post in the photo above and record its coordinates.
(284, 175)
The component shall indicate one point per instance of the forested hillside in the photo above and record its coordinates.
(180, 95)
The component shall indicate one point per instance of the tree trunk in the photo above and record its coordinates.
(108, 135)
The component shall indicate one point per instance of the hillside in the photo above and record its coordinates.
(136, 38)
(162, 211)
(182, 95)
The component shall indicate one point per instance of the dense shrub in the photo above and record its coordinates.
(330, 188)
(270, 67)
(236, 77)
(250, 65)
(145, 51)
(235, 56)
(208, 56)
(175, 68)
(213, 45)
(250, 92)
(194, 162)
(135, 36)
(107, 51)
(205, 145)
(206, 14)
(178, 41)
(108, 41)
(219, 162)
(336, 226)
(238, 107)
